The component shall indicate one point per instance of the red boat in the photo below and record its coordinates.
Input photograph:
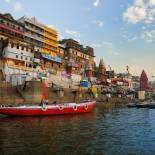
(44, 109)
(59, 109)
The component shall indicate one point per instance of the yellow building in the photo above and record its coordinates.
(50, 47)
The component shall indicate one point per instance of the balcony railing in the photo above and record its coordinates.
(11, 29)
(34, 37)
(34, 30)
(22, 68)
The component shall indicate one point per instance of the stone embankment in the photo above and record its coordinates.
(31, 93)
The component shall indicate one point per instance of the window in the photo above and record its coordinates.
(22, 48)
(21, 57)
(12, 45)
(17, 46)
(17, 56)
(26, 58)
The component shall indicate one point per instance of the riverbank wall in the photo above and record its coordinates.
(31, 93)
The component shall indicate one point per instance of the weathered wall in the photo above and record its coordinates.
(9, 94)
(31, 92)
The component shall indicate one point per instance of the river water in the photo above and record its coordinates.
(105, 131)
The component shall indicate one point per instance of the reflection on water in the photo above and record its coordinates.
(104, 131)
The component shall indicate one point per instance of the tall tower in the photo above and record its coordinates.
(143, 81)
(102, 72)
(89, 70)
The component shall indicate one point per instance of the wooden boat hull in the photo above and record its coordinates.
(61, 109)
(142, 105)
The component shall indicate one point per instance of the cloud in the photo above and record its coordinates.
(135, 13)
(148, 36)
(97, 3)
(7, 1)
(72, 33)
(17, 7)
(107, 46)
(132, 39)
(140, 10)
(99, 23)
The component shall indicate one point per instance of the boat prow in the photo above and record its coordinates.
(57, 109)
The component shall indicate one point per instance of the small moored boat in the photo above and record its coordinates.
(142, 105)
(58, 109)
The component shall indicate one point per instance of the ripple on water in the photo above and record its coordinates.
(104, 131)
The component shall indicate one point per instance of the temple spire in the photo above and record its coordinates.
(102, 72)
(101, 64)
(143, 81)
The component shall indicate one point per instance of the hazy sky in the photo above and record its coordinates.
(122, 32)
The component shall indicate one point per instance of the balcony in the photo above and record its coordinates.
(11, 29)
(50, 43)
(34, 37)
(16, 54)
(34, 30)
(51, 37)
(24, 68)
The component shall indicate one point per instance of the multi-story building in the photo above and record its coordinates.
(50, 48)
(10, 28)
(16, 55)
(77, 55)
(34, 32)
(44, 39)
(61, 51)
(18, 58)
